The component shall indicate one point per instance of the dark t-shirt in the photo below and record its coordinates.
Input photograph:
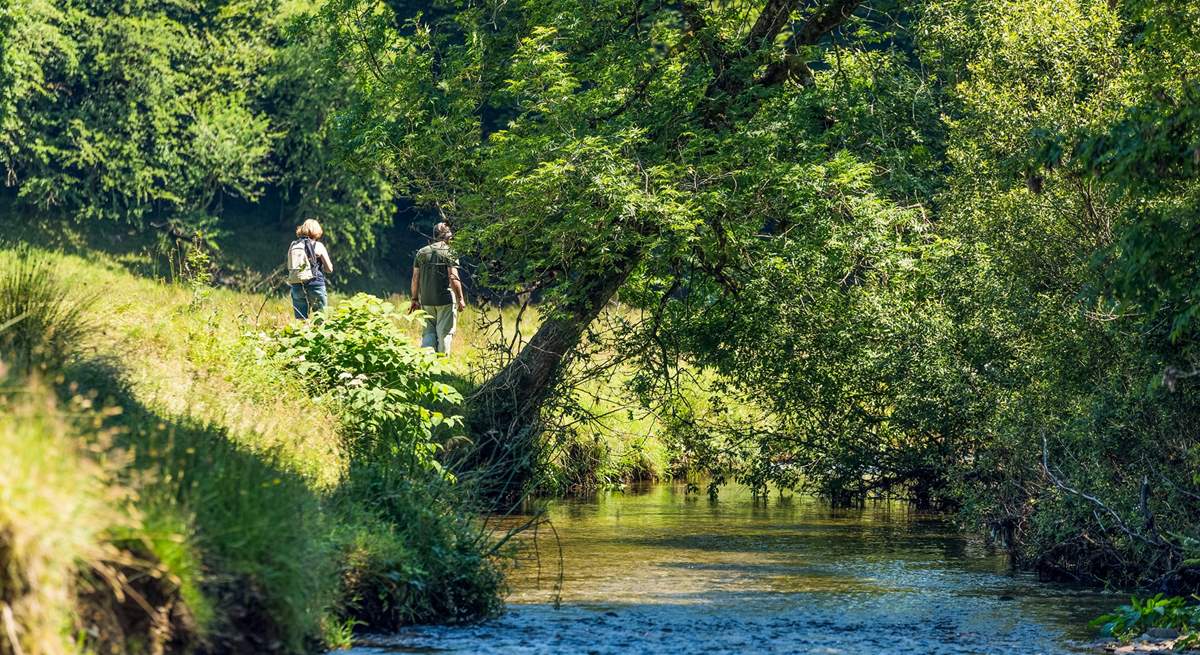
(433, 263)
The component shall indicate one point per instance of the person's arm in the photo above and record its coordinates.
(416, 283)
(456, 289)
(323, 255)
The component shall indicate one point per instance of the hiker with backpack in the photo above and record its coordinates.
(437, 290)
(308, 262)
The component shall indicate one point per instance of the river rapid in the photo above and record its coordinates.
(655, 570)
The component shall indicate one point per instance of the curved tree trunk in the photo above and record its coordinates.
(504, 414)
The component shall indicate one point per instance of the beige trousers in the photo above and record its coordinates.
(439, 327)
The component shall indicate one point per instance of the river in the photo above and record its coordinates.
(655, 570)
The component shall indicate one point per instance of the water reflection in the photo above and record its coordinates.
(645, 569)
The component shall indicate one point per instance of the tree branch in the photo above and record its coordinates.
(1099, 505)
(732, 80)
(793, 66)
(769, 24)
(698, 27)
(823, 23)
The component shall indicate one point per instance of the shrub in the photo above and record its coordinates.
(41, 319)
(359, 355)
(1129, 621)
(410, 551)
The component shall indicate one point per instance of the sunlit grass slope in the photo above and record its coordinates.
(199, 494)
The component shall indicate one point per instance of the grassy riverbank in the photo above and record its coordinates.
(166, 485)
(202, 480)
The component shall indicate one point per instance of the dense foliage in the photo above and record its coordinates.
(941, 250)
(945, 250)
(158, 113)
(434, 564)
(1091, 441)
(358, 356)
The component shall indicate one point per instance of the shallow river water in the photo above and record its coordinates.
(654, 570)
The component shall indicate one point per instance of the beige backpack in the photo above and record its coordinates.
(301, 262)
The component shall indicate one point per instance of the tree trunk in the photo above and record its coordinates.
(504, 414)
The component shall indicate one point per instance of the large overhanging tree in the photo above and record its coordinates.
(588, 147)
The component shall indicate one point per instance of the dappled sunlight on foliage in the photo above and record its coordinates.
(943, 251)
(360, 355)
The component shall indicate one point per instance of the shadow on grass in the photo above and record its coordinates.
(257, 527)
(250, 249)
(386, 548)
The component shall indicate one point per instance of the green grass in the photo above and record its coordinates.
(40, 319)
(243, 501)
(56, 506)
(240, 497)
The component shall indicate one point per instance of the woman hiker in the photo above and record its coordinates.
(308, 263)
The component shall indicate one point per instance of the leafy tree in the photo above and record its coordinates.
(312, 169)
(590, 147)
(165, 125)
(1150, 155)
(879, 226)
(1086, 467)
(156, 112)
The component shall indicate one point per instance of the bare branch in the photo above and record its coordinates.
(1124, 527)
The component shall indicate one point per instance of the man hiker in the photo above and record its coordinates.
(437, 290)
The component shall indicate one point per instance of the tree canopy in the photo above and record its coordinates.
(945, 249)
(941, 250)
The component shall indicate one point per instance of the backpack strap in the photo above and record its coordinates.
(311, 251)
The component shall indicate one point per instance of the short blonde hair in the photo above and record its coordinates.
(310, 228)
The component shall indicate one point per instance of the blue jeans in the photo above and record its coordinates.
(308, 299)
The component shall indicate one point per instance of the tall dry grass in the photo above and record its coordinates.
(57, 506)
